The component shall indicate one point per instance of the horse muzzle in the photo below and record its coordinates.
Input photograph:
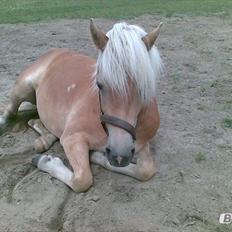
(119, 160)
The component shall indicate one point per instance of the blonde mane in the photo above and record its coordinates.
(126, 56)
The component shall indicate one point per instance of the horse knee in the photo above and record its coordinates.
(146, 173)
(81, 183)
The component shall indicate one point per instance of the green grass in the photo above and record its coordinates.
(203, 92)
(227, 123)
(200, 156)
(216, 227)
(14, 11)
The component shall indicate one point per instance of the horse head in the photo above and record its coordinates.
(126, 70)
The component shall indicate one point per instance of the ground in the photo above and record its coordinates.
(192, 149)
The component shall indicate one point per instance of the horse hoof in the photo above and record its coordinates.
(35, 160)
(3, 124)
(31, 123)
(2, 121)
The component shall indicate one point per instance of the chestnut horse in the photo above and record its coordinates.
(104, 111)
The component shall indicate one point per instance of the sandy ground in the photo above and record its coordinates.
(192, 148)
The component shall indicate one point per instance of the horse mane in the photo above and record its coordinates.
(126, 56)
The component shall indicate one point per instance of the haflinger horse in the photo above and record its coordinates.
(102, 111)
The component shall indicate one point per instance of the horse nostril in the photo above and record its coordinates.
(119, 159)
(108, 150)
(132, 151)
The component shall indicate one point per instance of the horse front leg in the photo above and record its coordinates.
(77, 152)
(143, 170)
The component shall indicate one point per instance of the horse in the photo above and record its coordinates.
(102, 111)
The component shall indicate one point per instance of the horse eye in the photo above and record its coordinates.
(99, 85)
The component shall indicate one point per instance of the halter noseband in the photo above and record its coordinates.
(108, 119)
(105, 118)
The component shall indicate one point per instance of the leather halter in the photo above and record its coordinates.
(108, 119)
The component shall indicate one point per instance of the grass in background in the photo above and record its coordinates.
(14, 11)
(200, 156)
(227, 123)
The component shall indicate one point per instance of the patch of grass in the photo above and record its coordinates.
(220, 228)
(203, 92)
(217, 107)
(200, 156)
(227, 123)
(217, 227)
(14, 11)
(228, 101)
(223, 228)
(176, 78)
(218, 84)
(201, 107)
(228, 104)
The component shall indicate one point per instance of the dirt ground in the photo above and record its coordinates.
(192, 149)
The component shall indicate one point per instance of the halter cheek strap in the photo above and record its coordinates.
(118, 123)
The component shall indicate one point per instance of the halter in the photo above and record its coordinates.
(108, 119)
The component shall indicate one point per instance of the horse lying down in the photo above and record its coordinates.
(106, 106)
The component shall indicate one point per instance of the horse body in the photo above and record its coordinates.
(66, 101)
(63, 86)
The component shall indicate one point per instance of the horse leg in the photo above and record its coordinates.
(143, 170)
(46, 139)
(22, 91)
(77, 152)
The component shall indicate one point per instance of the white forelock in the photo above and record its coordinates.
(125, 56)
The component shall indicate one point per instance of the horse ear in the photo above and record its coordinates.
(151, 37)
(99, 37)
